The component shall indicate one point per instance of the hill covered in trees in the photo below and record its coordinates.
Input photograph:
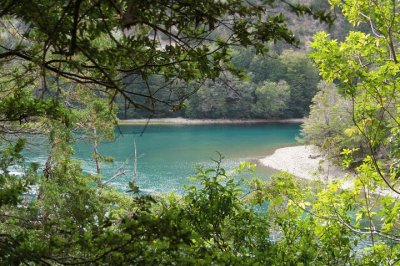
(277, 84)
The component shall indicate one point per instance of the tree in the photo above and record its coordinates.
(302, 78)
(296, 69)
(99, 44)
(49, 50)
(366, 68)
(329, 123)
(271, 99)
(267, 67)
(96, 119)
(226, 97)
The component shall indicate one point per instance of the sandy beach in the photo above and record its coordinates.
(306, 162)
(186, 121)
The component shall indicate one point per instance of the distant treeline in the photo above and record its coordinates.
(278, 84)
(274, 86)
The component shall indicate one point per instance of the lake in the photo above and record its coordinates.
(168, 154)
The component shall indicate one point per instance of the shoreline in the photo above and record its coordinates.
(187, 121)
(306, 162)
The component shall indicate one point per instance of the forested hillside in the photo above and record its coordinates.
(276, 84)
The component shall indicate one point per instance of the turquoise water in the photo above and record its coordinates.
(168, 154)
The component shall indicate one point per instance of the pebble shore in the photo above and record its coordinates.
(306, 162)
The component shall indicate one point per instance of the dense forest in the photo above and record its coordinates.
(71, 66)
(277, 84)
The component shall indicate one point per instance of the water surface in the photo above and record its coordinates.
(168, 154)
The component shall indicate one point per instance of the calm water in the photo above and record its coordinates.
(167, 155)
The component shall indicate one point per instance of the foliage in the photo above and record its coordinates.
(104, 44)
(224, 222)
(96, 122)
(272, 99)
(146, 63)
(296, 69)
(223, 98)
(89, 224)
(12, 185)
(365, 69)
(330, 125)
(62, 63)
(230, 98)
(62, 67)
(303, 233)
(303, 79)
(215, 222)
